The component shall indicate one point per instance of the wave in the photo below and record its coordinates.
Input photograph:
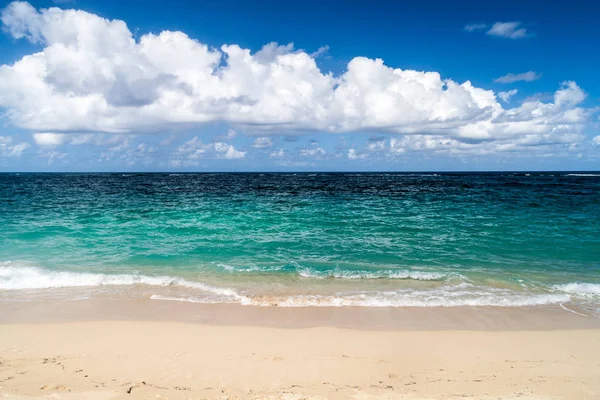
(251, 268)
(386, 274)
(383, 299)
(16, 276)
(579, 289)
(311, 273)
(583, 175)
(22, 276)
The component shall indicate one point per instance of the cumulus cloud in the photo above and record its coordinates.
(528, 76)
(505, 96)
(510, 30)
(227, 151)
(596, 140)
(92, 75)
(313, 152)
(354, 155)
(10, 149)
(532, 143)
(194, 150)
(263, 142)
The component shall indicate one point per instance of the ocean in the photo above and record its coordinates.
(306, 239)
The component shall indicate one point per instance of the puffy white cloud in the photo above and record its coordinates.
(596, 140)
(10, 149)
(92, 75)
(505, 96)
(193, 150)
(263, 142)
(510, 30)
(532, 143)
(313, 152)
(49, 139)
(354, 155)
(528, 76)
(227, 151)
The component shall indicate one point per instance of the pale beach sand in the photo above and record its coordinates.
(217, 352)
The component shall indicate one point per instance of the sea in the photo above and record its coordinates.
(304, 239)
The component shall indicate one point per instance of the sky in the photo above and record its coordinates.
(271, 85)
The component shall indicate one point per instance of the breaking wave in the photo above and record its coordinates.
(387, 274)
(16, 275)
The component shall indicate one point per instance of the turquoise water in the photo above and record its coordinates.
(305, 239)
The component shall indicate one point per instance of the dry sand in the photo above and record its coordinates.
(166, 359)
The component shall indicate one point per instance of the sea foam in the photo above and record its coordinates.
(15, 275)
(386, 274)
(375, 299)
(580, 289)
(18, 276)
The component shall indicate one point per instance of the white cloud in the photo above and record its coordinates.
(193, 150)
(376, 145)
(277, 154)
(528, 76)
(227, 151)
(313, 152)
(49, 139)
(510, 30)
(532, 143)
(262, 142)
(94, 76)
(505, 96)
(596, 140)
(474, 27)
(354, 155)
(10, 149)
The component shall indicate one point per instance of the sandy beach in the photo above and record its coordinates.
(70, 356)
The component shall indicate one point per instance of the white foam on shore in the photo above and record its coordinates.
(15, 275)
(579, 289)
(387, 274)
(375, 299)
(19, 276)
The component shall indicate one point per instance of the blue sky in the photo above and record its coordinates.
(110, 91)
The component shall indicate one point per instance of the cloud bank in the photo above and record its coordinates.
(92, 75)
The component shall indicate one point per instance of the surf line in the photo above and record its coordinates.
(574, 312)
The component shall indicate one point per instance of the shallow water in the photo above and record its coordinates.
(493, 239)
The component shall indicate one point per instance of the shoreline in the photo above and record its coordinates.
(548, 317)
